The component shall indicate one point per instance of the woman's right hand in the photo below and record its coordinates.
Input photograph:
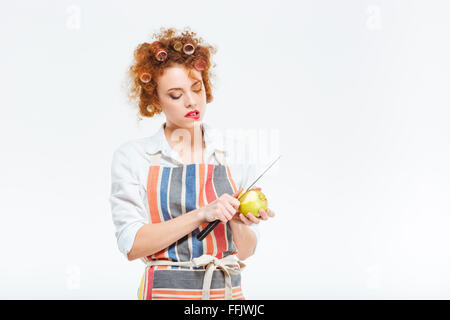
(223, 208)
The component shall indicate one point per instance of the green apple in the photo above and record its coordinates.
(251, 202)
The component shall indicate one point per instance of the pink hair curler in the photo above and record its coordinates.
(200, 64)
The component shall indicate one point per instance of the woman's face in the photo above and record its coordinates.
(180, 91)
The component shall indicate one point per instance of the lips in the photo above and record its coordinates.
(194, 114)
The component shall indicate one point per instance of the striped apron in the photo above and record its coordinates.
(189, 268)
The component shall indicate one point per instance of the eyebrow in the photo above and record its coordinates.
(182, 88)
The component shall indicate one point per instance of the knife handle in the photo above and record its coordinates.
(202, 234)
(207, 230)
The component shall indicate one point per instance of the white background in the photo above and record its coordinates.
(358, 91)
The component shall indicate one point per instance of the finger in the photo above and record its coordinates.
(233, 201)
(222, 218)
(220, 215)
(244, 219)
(236, 194)
(263, 214)
(270, 213)
(230, 209)
(227, 215)
(252, 218)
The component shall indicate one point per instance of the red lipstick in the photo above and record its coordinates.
(194, 114)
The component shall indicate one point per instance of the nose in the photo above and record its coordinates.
(190, 100)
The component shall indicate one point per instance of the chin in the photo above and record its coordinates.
(191, 123)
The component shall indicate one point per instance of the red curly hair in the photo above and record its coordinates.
(146, 68)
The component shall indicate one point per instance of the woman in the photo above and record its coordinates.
(165, 192)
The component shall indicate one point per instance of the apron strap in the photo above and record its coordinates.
(155, 159)
(220, 157)
(211, 263)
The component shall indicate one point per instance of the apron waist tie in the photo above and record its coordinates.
(211, 263)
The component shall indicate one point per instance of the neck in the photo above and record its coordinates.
(187, 142)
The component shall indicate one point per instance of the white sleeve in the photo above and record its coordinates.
(127, 207)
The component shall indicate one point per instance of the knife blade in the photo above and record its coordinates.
(201, 235)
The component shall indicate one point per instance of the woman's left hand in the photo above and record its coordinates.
(251, 219)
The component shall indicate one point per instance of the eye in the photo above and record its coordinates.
(198, 87)
(176, 98)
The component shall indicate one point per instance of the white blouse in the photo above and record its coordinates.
(129, 172)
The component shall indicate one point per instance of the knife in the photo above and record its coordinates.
(201, 235)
